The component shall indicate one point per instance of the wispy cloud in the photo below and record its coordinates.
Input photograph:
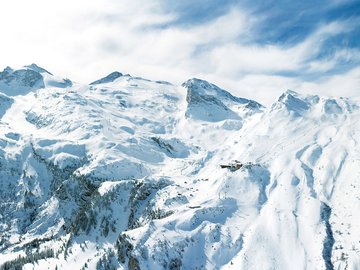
(255, 49)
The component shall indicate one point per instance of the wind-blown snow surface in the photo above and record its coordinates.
(124, 174)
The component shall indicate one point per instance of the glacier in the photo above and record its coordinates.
(124, 173)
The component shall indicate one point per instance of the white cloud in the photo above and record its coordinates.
(345, 85)
(86, 39)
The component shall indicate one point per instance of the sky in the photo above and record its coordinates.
(253, 48)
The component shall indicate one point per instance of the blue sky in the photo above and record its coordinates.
(255, 49)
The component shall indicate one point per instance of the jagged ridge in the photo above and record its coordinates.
(127, 175)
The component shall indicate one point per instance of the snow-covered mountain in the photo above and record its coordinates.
(124, 173)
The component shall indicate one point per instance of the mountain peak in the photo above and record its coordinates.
(208, 102)
(202, 87)
(21, 81)
(109, 78)
(37, 68)
(194, 81)
(8, 69)
(294, 102)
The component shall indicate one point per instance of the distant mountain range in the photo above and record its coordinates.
(125, 173)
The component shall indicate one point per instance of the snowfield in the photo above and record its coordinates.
(124, 173)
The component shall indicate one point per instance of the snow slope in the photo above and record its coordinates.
(125, 173)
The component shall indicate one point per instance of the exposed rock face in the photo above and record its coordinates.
(22, 77)
(38, 69)
(109, 78)
(20, 82)
(5, 103)
(207, 102)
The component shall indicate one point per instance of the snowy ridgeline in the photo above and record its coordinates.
(128, 173)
